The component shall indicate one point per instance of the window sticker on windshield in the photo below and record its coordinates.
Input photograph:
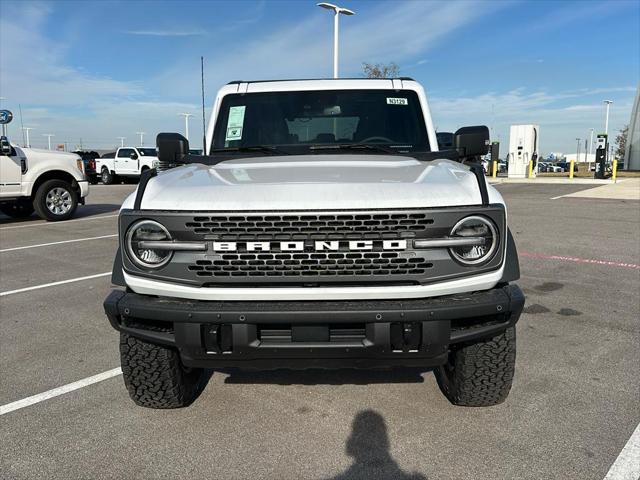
(397, 101)
(235, 123)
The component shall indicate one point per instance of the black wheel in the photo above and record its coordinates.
(479, 374)
(106, 176)
(155, 376)
(93, 179)
(18, 209)
(55, 200)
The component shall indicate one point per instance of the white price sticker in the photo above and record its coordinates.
(397, 101)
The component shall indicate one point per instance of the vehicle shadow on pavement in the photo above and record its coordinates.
(368, 445)
(83, 211)
(325, 377)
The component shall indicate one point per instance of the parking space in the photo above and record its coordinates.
(574, 404)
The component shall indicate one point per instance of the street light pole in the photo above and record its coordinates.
(336, 15)
(606, 121)
(141, 138)
(48, 135)
(186, 123)
(26, 129)
(122, 139)
(590, 141)
(578, 151)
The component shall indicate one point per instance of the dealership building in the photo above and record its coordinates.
(632, 153)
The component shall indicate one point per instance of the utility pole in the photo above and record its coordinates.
(48, 135)
(26, 130)
(578, 151)
(186, 123)
(591, 141)
(585, 150)
(336, 15)
(141, 138)
(606, 121)
(122, 139)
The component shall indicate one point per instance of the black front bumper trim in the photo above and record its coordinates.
(440, 321)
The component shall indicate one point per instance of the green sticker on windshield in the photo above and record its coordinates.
(235, 123)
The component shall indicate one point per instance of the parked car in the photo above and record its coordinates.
(566, 166)
(89, 159)
(542, 167)
(553, 168)
(126, 162)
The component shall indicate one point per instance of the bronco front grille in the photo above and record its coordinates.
(335, 226)
(319, 264)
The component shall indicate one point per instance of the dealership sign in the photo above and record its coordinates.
(5, 117)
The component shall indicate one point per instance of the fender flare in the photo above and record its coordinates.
(512, 265)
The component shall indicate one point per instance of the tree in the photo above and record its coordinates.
(621, 143)
(380, 70)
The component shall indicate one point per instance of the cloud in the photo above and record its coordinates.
(168, 33)
(562, 116)
(33, 68)
(397, 32)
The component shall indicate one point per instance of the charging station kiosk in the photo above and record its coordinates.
(523, 148)
(602, 145)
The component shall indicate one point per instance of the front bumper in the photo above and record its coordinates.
(83, 185)
(328, 334)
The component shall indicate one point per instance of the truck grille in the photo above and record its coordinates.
(319, 264)
(335, 226)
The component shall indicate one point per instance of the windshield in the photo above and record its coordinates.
(147, 152)
(307, 120)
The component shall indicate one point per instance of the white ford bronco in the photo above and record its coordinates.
(321, 228)
(51, 183)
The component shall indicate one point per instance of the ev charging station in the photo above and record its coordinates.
(523, 148)
(602, 145)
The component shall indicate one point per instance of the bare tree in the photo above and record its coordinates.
(380, 70)
(621, 143)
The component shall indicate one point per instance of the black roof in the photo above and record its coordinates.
(234, 82)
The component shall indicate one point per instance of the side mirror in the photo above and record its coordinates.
(172, 147)
(472, 141)
(133, 156)
(5, 147)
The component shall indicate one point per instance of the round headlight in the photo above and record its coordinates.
(482, 236)
(139, 243)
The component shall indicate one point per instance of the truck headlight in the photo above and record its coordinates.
(139, 243)
(476, 252)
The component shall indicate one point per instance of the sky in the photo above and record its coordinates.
(93, 71)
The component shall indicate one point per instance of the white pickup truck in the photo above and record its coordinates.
(125, 162)
(51, 183)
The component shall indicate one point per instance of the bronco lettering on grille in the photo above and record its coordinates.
(318, 246)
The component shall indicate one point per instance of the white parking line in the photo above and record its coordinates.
(555, 198)
(70, 387)
(44, 224)
(13, 249)
(53, 284)
(627, 465)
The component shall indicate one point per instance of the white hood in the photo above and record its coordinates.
(314, 182)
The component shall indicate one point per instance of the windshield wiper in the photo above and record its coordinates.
(252, 148)
(356, 146)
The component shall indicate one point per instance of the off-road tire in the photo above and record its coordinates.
(155, 376)
(93, 179)
(479, 374)
(40, 200)
(106, 176)
(17, 209)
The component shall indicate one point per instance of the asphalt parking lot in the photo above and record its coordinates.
(574, 404)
